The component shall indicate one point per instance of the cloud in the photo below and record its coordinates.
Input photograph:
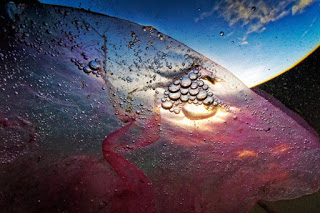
(255, 15)
(300, 6)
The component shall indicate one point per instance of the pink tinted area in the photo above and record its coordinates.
(225, 163)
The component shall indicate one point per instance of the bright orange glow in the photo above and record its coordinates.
(247, 153)
(280, 149)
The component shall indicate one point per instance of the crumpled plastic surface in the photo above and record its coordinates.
(55, 116)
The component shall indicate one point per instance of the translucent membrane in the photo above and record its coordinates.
(87, 123)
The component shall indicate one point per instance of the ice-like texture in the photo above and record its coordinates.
(72, 80)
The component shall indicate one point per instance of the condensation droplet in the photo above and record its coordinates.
(194, 85)
(174, 96)
(193, 91)
(94, 65)
(174, 88)
(184, 98)
(208, 101)
(192, 76)
(202, 95)
(185, 82)
(166, 105)
(184, 91)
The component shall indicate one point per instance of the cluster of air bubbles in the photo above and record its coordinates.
(134, 41)
(188, 89)
(93, 66)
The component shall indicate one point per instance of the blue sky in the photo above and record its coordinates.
(261, 38)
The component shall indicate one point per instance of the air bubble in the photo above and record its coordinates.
(185, 82)
(200, 83)
(193, 76)
(174, 88)
(176, 82)
(176, 110)
(194, 85)
(166, 105)
(198, 112)
(94, 65)
(184, 98)
(208, 101)
(202, 95)
(184, 91)
(205, 87)
(87, 69)
(174, 96)
(193, 91)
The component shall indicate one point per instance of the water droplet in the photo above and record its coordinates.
(176, 82)
(194, 85)
(205, 87)
(200, 83)
(94, 65)
(208, 101)
(176, 110)
(192, 76)
(184, 91)
(174, 96)
(198, 112)
(210, 93)
(185, 82)
(202, 95)
(174, 88)
(221, 33)
(193, 91)
(166, 105)
(184, 98)
(87, 69)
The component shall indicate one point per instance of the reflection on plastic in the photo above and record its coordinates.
(72, 79)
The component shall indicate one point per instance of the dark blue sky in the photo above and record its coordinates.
(261, 38)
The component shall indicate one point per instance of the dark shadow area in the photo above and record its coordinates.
(299, 90)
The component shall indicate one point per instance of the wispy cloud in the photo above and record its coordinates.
(300, 6)
(255, 15)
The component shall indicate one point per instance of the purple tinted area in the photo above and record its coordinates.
(82, 138)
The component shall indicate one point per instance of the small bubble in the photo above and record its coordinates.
(184, 98)
(184, 91)
(94, 65)
(176, 82)
(174, 96)
(185, 82)
(200, 83)
(87, 69)
(176, 110)
(192, 76)
(174, 88)
(194, 91)
(166, 105)
(253, 8)
(194, 85)
(205, 87)
(221, 33)
(202, 95)
(208, 101)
